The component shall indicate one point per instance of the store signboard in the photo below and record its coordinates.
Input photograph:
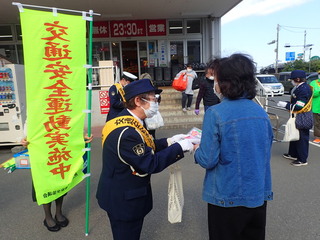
(156, 27)
(128, 28)
(101, 29)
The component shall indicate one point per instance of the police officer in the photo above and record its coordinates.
(300, 98)
(130, 156)
(116, 103)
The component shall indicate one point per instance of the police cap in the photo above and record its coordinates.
(129, 76)
(138, 87)
(298, 74)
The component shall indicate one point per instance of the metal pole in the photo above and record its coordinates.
(310, 58)
(277, 49)
(304, 45)
(89, 123)
(21, 5)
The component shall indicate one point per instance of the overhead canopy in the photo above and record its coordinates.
(128, 9)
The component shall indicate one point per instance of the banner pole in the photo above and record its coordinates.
(89, 122)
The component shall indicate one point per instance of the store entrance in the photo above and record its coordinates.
(130, 57)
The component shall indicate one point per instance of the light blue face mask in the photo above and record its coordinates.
(152, 110)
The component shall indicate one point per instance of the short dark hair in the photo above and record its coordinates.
(299, 80)
(235, 75)
(131, 104)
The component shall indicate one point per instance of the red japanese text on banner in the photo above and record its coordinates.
(54, 56)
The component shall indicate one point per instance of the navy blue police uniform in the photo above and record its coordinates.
(300, 96)
(116, 101)
(124, 189)
(116, 104)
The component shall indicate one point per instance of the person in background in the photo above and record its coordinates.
(130, 156)
(115, 91)
(300, 95)
(187, 94)
(235, 151)
(206, 92)
(315, 84)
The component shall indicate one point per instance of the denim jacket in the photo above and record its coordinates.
(235, 150)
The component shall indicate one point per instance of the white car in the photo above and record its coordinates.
(269, 85)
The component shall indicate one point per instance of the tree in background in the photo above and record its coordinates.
(312, 66)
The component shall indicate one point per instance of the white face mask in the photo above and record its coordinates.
(211, 77)
(219, 95)
(189, 69)
(152, 110)
(294, 83)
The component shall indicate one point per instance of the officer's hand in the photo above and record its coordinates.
(194, 141)
(282, 104)
(197, 111)
(186, 145)
(177, 138)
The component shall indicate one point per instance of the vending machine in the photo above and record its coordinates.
(12, 104)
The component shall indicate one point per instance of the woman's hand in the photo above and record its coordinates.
(24, 142)
(88, 139)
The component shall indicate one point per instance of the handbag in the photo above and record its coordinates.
(195, 83)
(175, 194)
(304, 120)
(291, 133)
(154, 122)
(180, 83)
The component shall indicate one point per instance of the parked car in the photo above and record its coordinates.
(312, 76)
(270, 84)
(284, 80)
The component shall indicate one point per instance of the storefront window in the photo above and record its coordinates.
(153, 54)
(193, 51)
(9, 52)
(175, 27)
(143, 56)
(176, 53)
(6, 33)
(116, 53)
(193, 26)
(96, 53)
(20, 54)
(106, 53)
(129, 57)
(19, 33)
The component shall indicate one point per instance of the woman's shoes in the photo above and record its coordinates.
(63, 223)
(55, 228)
(58, 226)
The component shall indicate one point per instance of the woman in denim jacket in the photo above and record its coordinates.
(235, 150)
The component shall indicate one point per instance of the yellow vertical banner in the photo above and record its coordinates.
(54, 47)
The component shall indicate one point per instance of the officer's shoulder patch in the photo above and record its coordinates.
(113, 93)
(139, 149)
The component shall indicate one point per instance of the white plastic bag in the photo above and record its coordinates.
(155, 122)
(291, 133)
(175, 194)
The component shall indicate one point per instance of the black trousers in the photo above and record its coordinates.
(300, 148)
(237, 223)
(126, 230)
(186, 99)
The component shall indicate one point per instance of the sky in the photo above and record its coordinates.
(252, 24)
